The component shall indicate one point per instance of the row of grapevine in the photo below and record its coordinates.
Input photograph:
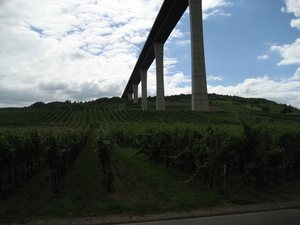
(20, 154)
(61, 150)
(248, 153)
(65, 117)
(23, 151)
(13, 117)
(104, 145)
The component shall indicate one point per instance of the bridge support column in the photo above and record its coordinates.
(199, 87)
(135, 93)
(144, 89)
(160, 92)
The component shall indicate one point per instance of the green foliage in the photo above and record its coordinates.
(60, 151)
(251, 153)
(286, 110)
(22, 151)
(20, 155)
(265, 109)
(104, 146)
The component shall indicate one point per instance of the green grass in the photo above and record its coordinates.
(233, 107)
(154, 188)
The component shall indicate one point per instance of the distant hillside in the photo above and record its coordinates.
(229, 103)
(223, 110)
(225, 103)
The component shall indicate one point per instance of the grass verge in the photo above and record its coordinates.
(153, 188)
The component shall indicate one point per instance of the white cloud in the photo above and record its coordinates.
(183, 42)
(60, 48)
(176, 33)
(296, 75)
(289, 53)
(209, 8)
(216, 12)
(286, 92)
(213, 78)
(292, 6)
(210, 4)
(262, 57)
(295, 23)
(174, 84)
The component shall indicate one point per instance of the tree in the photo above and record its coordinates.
(265, 109)
(286, 110)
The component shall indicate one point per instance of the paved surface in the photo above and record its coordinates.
(286, 213)
(278, 217)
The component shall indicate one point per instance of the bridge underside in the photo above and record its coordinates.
(168, 16)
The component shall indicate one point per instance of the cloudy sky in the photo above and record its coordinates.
(80, 50)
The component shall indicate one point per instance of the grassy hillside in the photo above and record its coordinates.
(223, 109)
(180, 102)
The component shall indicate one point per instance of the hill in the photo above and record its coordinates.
(223, 110)
(180, 102)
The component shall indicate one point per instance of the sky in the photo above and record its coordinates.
(81, 50)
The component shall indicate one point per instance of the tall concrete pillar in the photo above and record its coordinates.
(160, 91)
(129, 96)
(135, 93)
(199, 86)
(144, 89)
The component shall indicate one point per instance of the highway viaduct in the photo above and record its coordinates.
(167, 18)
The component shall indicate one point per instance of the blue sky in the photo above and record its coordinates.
(81, 50)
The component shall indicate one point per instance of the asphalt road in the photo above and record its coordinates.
(277, 217)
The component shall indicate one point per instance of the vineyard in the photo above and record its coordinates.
(77, 118)
(252, 153)
(135, 157)
(23, 151)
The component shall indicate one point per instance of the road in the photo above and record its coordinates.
(278, 217)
